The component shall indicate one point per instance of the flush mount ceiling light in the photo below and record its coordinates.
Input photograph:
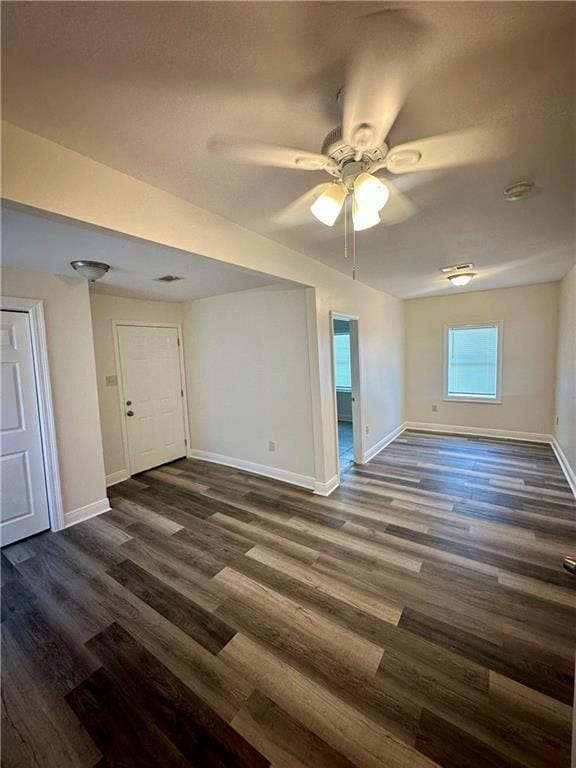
(519, 190)
(461, 278)
(91, 270)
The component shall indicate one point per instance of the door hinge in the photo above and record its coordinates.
(185, 441)
(181, 393)
(178, 340)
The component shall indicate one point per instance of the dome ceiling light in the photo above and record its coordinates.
(91, 270)
(461, 278)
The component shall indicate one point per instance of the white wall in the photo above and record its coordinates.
(530, 318)
(45, 175)
(248, 378)
(565, 430)
(106, 310)
(73, 380)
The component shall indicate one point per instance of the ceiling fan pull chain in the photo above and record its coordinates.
(346, 227)
(353, 254)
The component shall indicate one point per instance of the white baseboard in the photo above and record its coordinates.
(325, 489)
(304, 481)
(381, 444)
(117, 477)
(85, 513)
(531, 437)
(565, 464)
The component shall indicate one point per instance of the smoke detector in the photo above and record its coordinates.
(519, 190)
(168, 279)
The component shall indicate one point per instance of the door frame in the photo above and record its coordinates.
(356, 367)
(121, 398)
(34, 308)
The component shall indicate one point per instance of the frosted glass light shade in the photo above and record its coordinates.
(327, 207)
(364, 218)
(460, 280)
(91, 270)
(370, 192)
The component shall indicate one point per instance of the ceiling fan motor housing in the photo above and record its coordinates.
(344, 155)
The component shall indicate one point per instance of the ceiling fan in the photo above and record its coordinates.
(380, 75)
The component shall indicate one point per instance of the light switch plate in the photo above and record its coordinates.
(111, 381)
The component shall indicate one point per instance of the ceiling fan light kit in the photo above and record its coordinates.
(364, 218)
(370, 193)
(326, 208)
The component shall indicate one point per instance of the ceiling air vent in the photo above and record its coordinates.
(457, 268)
(168, 279)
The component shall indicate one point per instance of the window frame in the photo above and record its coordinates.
(497, 399)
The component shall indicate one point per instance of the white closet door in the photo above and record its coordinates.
(24, 508)
(153, 398)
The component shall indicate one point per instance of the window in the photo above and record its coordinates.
(342, 365)
(472, 370)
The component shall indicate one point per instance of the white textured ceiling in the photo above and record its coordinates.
(143, 87)
(49, 243)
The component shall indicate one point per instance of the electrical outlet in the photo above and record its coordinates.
(434, 409)
(367, 429)
(271, 446)
(111, 381)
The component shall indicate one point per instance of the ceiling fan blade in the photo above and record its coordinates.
(466, 147)
(298, 212)
(380, 76)
(398, 208)
(247, 151)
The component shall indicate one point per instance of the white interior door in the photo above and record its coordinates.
(24, 508)
(153, 397)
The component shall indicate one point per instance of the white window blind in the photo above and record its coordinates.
(473, 361)
(342, 361)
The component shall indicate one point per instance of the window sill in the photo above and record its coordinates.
(472, 399)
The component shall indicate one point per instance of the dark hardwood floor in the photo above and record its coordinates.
(419, 616)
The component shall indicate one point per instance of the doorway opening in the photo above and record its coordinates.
(346, 370)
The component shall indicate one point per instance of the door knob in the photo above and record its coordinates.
(128, 402)
(129, 413)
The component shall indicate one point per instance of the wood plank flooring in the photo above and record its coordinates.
(419, 616)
